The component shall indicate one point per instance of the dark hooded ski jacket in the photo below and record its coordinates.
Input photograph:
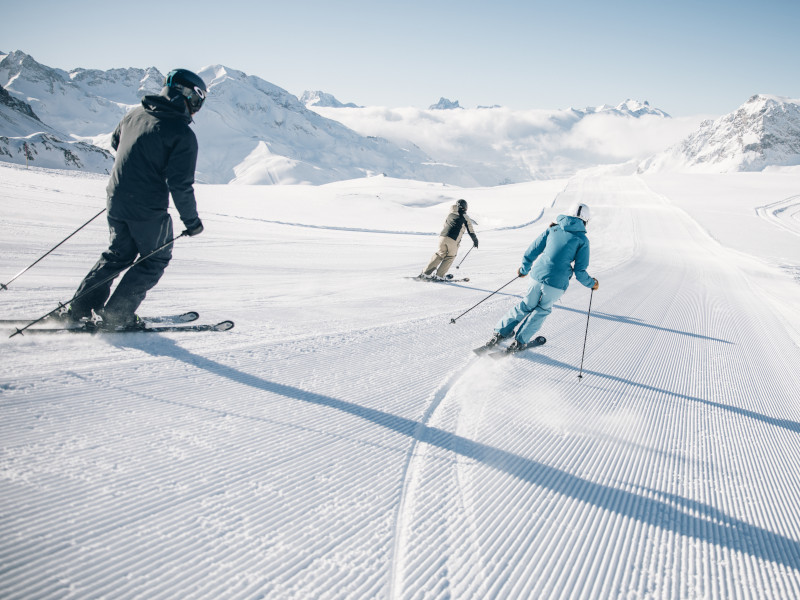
(156, 157)
(455, 224)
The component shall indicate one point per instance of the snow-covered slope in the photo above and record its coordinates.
(764, 131)
(342, 442)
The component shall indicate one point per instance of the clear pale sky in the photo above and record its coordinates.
(685, 57)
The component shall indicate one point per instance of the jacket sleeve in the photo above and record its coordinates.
(582, 263)
(471, 230)
(180, 177)
(533, 252)
(115, 137)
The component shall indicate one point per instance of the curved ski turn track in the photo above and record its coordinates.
(354, 447)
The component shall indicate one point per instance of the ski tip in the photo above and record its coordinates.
(223, 326)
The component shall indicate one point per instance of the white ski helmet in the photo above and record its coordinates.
(581, 211)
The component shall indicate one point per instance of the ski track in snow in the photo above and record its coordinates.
(783, 213)
(365, 452)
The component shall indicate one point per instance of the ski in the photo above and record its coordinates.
(504, 352)
(480, 350)
(492, 343)
(186, 317)
(94, 329)
(446, 280)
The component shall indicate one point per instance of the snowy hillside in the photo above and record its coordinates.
(764, 131)
(343, 442)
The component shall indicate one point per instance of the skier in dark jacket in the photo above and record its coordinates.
(562, 249)
(449, 240)
(156, 158)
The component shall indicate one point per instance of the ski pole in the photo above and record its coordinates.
(62, 305)
(487, 297)
(4, 286)
(585, 335)
(465, 257)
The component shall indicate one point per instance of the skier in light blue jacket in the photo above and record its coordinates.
(561, 250)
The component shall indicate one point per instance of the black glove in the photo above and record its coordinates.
(475, 241)
(194, 228)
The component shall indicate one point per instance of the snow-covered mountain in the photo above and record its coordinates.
(251, 131)
(445, 104)
(81, 103)
(25, 138)
(629, 108)
(319, 98)
(764, 131)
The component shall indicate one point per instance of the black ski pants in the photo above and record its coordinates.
(128, 239)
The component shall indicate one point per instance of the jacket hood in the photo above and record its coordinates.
(167, 107)
(571, 224)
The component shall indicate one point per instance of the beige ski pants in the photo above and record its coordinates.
(444, 257)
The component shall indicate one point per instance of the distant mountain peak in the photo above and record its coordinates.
(628, 108)
(319, 98)
(445, 104)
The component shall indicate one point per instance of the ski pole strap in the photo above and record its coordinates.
(62, 305)
(4, 286)
(487, 297)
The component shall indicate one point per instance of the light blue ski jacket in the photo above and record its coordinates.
(556, 249)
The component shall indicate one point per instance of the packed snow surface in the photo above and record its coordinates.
(342, 441)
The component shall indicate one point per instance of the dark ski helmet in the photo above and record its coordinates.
(462, 206)
(190, 86)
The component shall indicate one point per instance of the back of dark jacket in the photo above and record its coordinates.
(454, 226)
(156, 157)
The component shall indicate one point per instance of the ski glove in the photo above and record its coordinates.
(520, 273)
(194, 228)
(596, 284)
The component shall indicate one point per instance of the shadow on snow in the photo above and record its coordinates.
(787, 424)
(685, 517)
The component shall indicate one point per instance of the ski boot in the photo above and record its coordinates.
(493, 341)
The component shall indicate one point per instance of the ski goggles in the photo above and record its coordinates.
(194, 96)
